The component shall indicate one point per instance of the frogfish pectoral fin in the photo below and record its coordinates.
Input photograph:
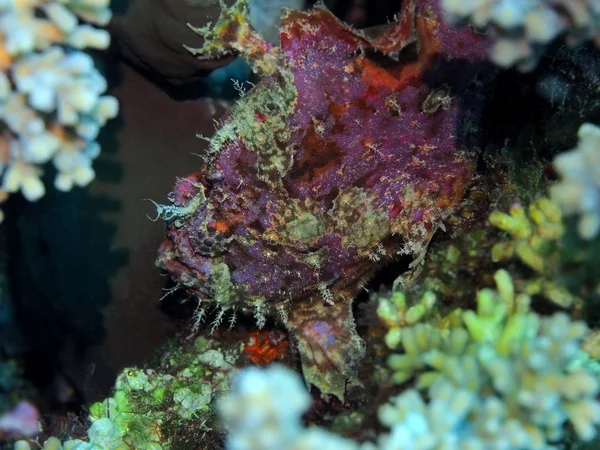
(329, 347)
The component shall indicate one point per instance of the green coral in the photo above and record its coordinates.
(497, 377)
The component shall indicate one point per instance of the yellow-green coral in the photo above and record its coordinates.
(511, 357)
(535, 235)
(394, 311)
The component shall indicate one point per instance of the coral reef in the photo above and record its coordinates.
(330, 167)
(533, 233)
(506, 379)
(524, 28)
(169, 406)
(508, 355)
(358, 158)
(394, 311)
(51, 102)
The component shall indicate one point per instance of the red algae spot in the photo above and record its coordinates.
(260, 117)
(264, 347)
(221, 226)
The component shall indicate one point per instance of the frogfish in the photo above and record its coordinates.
(350, 151)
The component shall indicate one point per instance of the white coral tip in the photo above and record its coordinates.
(83, 175)
(87, 36)
(107, 108)
(507, 52)
(543, 25)
(64, 19)
(63, 182)
(589, 225)
(32, 188)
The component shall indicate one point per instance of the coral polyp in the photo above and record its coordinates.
(323, 172)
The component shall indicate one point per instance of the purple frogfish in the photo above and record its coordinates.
(346, 154)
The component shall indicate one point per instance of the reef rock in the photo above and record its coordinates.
(152, 33)
(348, 153)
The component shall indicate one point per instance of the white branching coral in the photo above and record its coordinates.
(523, 28)
(51, 95)
(35, 25)
(578, 192)
(263, 412)
(271, 401)
(452, 419)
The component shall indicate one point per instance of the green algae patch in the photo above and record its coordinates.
(165, 408)
(259, 121)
